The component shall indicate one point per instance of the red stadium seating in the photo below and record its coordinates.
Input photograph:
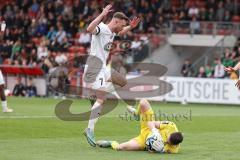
(236, 18)
(35, 71)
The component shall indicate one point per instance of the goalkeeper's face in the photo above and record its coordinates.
(175, 138)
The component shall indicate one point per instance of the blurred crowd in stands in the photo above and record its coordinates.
(46, 33)
(229, 58)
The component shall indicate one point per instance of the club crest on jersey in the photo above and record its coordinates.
(118, 46)
(108, 46)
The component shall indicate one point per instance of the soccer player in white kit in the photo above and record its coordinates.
(96, 73)
(5, 108)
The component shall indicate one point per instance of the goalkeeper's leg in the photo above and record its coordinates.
(131, 145)
(143, 106)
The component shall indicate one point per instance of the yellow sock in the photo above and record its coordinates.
(114, 145)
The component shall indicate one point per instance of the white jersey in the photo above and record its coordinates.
(101, 43)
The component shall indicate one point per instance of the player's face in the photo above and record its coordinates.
(120, 24)
(168, 140)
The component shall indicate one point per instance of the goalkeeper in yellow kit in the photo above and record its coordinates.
(166, 131)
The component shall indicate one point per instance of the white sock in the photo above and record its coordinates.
(4, 105)
(132, 110)
(95, 114)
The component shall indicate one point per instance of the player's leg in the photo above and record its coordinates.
(93, 72)
(3, 96)
(131, 145)
(101, 86)
(118, 79)
(143, 107)
(94, 116)
(3, 99)
(114, 79)
(146, 115)
(138, 143)
(96, 109)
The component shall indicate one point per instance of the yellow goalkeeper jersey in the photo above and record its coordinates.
(166, 129)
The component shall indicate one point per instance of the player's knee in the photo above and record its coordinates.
(144, 105)
(123, 82)
(100, 101)
(118, 78)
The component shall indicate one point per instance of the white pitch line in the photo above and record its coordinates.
(25, 117)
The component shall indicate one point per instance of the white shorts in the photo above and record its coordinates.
(1, 78)
(100, 80)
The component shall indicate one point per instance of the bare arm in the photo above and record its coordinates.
(233, 69)
(157, 145)
(134, 22)
(92, 26)
(154, 127)
(237, 67)
(151, 125)
(157, 124)
(125, 30)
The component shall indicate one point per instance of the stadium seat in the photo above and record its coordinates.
(175, 3)
(31, 71)
(224, 32)
(236, 19)
(201, 4)
(81, 50)
(36, 40)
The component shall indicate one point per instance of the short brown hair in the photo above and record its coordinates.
(176, 138)
(121, 15)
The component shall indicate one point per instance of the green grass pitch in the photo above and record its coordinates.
(33, 132)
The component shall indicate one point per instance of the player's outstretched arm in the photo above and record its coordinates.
(92, 26)
(157, 124)
(232, 69)
(237, 67)
(133, 24)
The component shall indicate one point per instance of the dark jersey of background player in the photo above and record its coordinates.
(19, 88)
